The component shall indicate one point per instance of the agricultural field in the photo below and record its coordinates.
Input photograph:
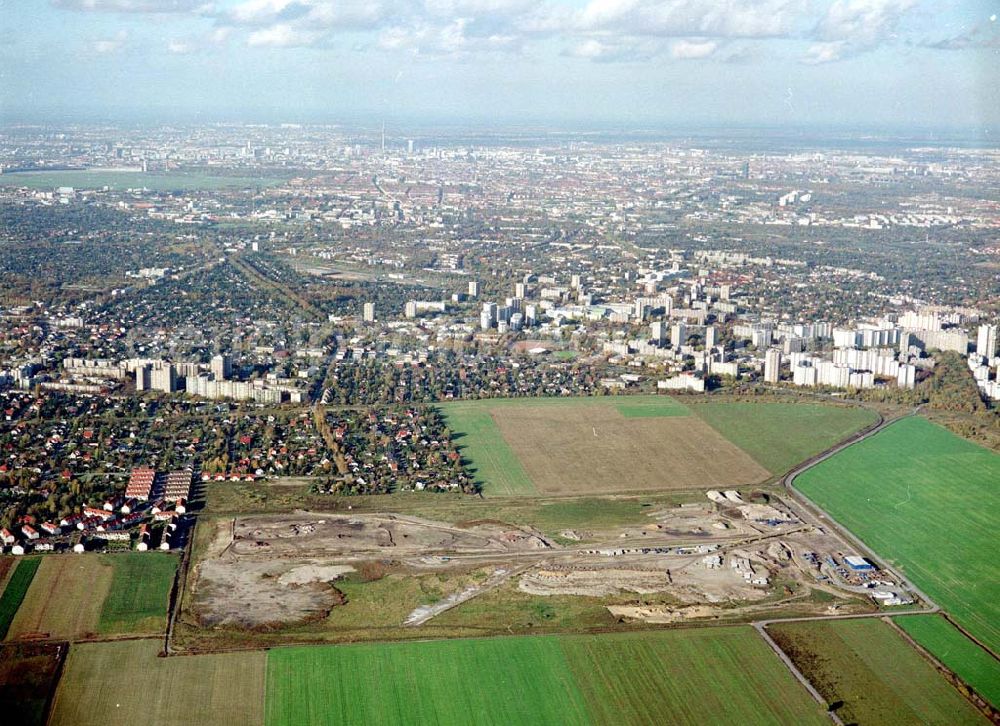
(492, 461)
(207, 689)
(780, 435)
(18, 581)
(924, 499)
(959, 654)
(140, 589)
(586, 445)
(28, 673)
(712, 675)
(81, 596)
(871, 675)
(64, 600)
(7, 565)
(122, 180)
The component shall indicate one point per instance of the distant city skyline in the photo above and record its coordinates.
(893, 64)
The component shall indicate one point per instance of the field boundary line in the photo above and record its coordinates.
(799, 676)
(50, 699)
(968, 692)
(179, 587)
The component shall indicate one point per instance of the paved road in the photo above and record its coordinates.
(809, 510)
(822, 518)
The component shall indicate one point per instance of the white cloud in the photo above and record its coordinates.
(283, 35)
(130, 6)
(198, 43)
(819, 53)
(862, 23)
(693, 50)
(850, 27)
(979, 36)
(697, 18)
(598, 30)
(261, 12)
(181, 47)
(612, 51)
(451, 39)
(107, 46)
(314, 14)
(219, 36)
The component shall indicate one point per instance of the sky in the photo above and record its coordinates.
(876, 64)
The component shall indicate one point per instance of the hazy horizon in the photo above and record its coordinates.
(881, 65)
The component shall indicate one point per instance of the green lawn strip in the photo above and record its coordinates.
(780, 435)
(959, 654)
(496, 681)
(14, 592)
(595, 512)
(873, 672)
(691, 676)
(925, 500)
(649, 406)
(493, 462)
(140, 590)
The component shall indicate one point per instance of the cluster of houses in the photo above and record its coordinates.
(149, 499)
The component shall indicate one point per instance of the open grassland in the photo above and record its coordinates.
(124, 682)
(874, 674)
(140, 590)
(121, 180)
(927, 501)
(16, 588)
(28, 674)
(65, 598)
(717, 675)
(649, 406)
(594, 445)
(549, 514)
(959, 654)
(780, 435)
(595, 449)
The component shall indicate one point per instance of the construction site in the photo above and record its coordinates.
(722, 556)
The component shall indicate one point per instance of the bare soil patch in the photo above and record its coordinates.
(687, 581)
(272, 571)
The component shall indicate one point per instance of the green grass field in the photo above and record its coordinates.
(925, 500)
(716, 675)
(121, 180)
(780, 435)
(492, 461)
(777, 436)
(140, 589)
(959, 654)
(124, 682)
(873, 672)
(648, 406)
(496, 465)
(13, 594)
